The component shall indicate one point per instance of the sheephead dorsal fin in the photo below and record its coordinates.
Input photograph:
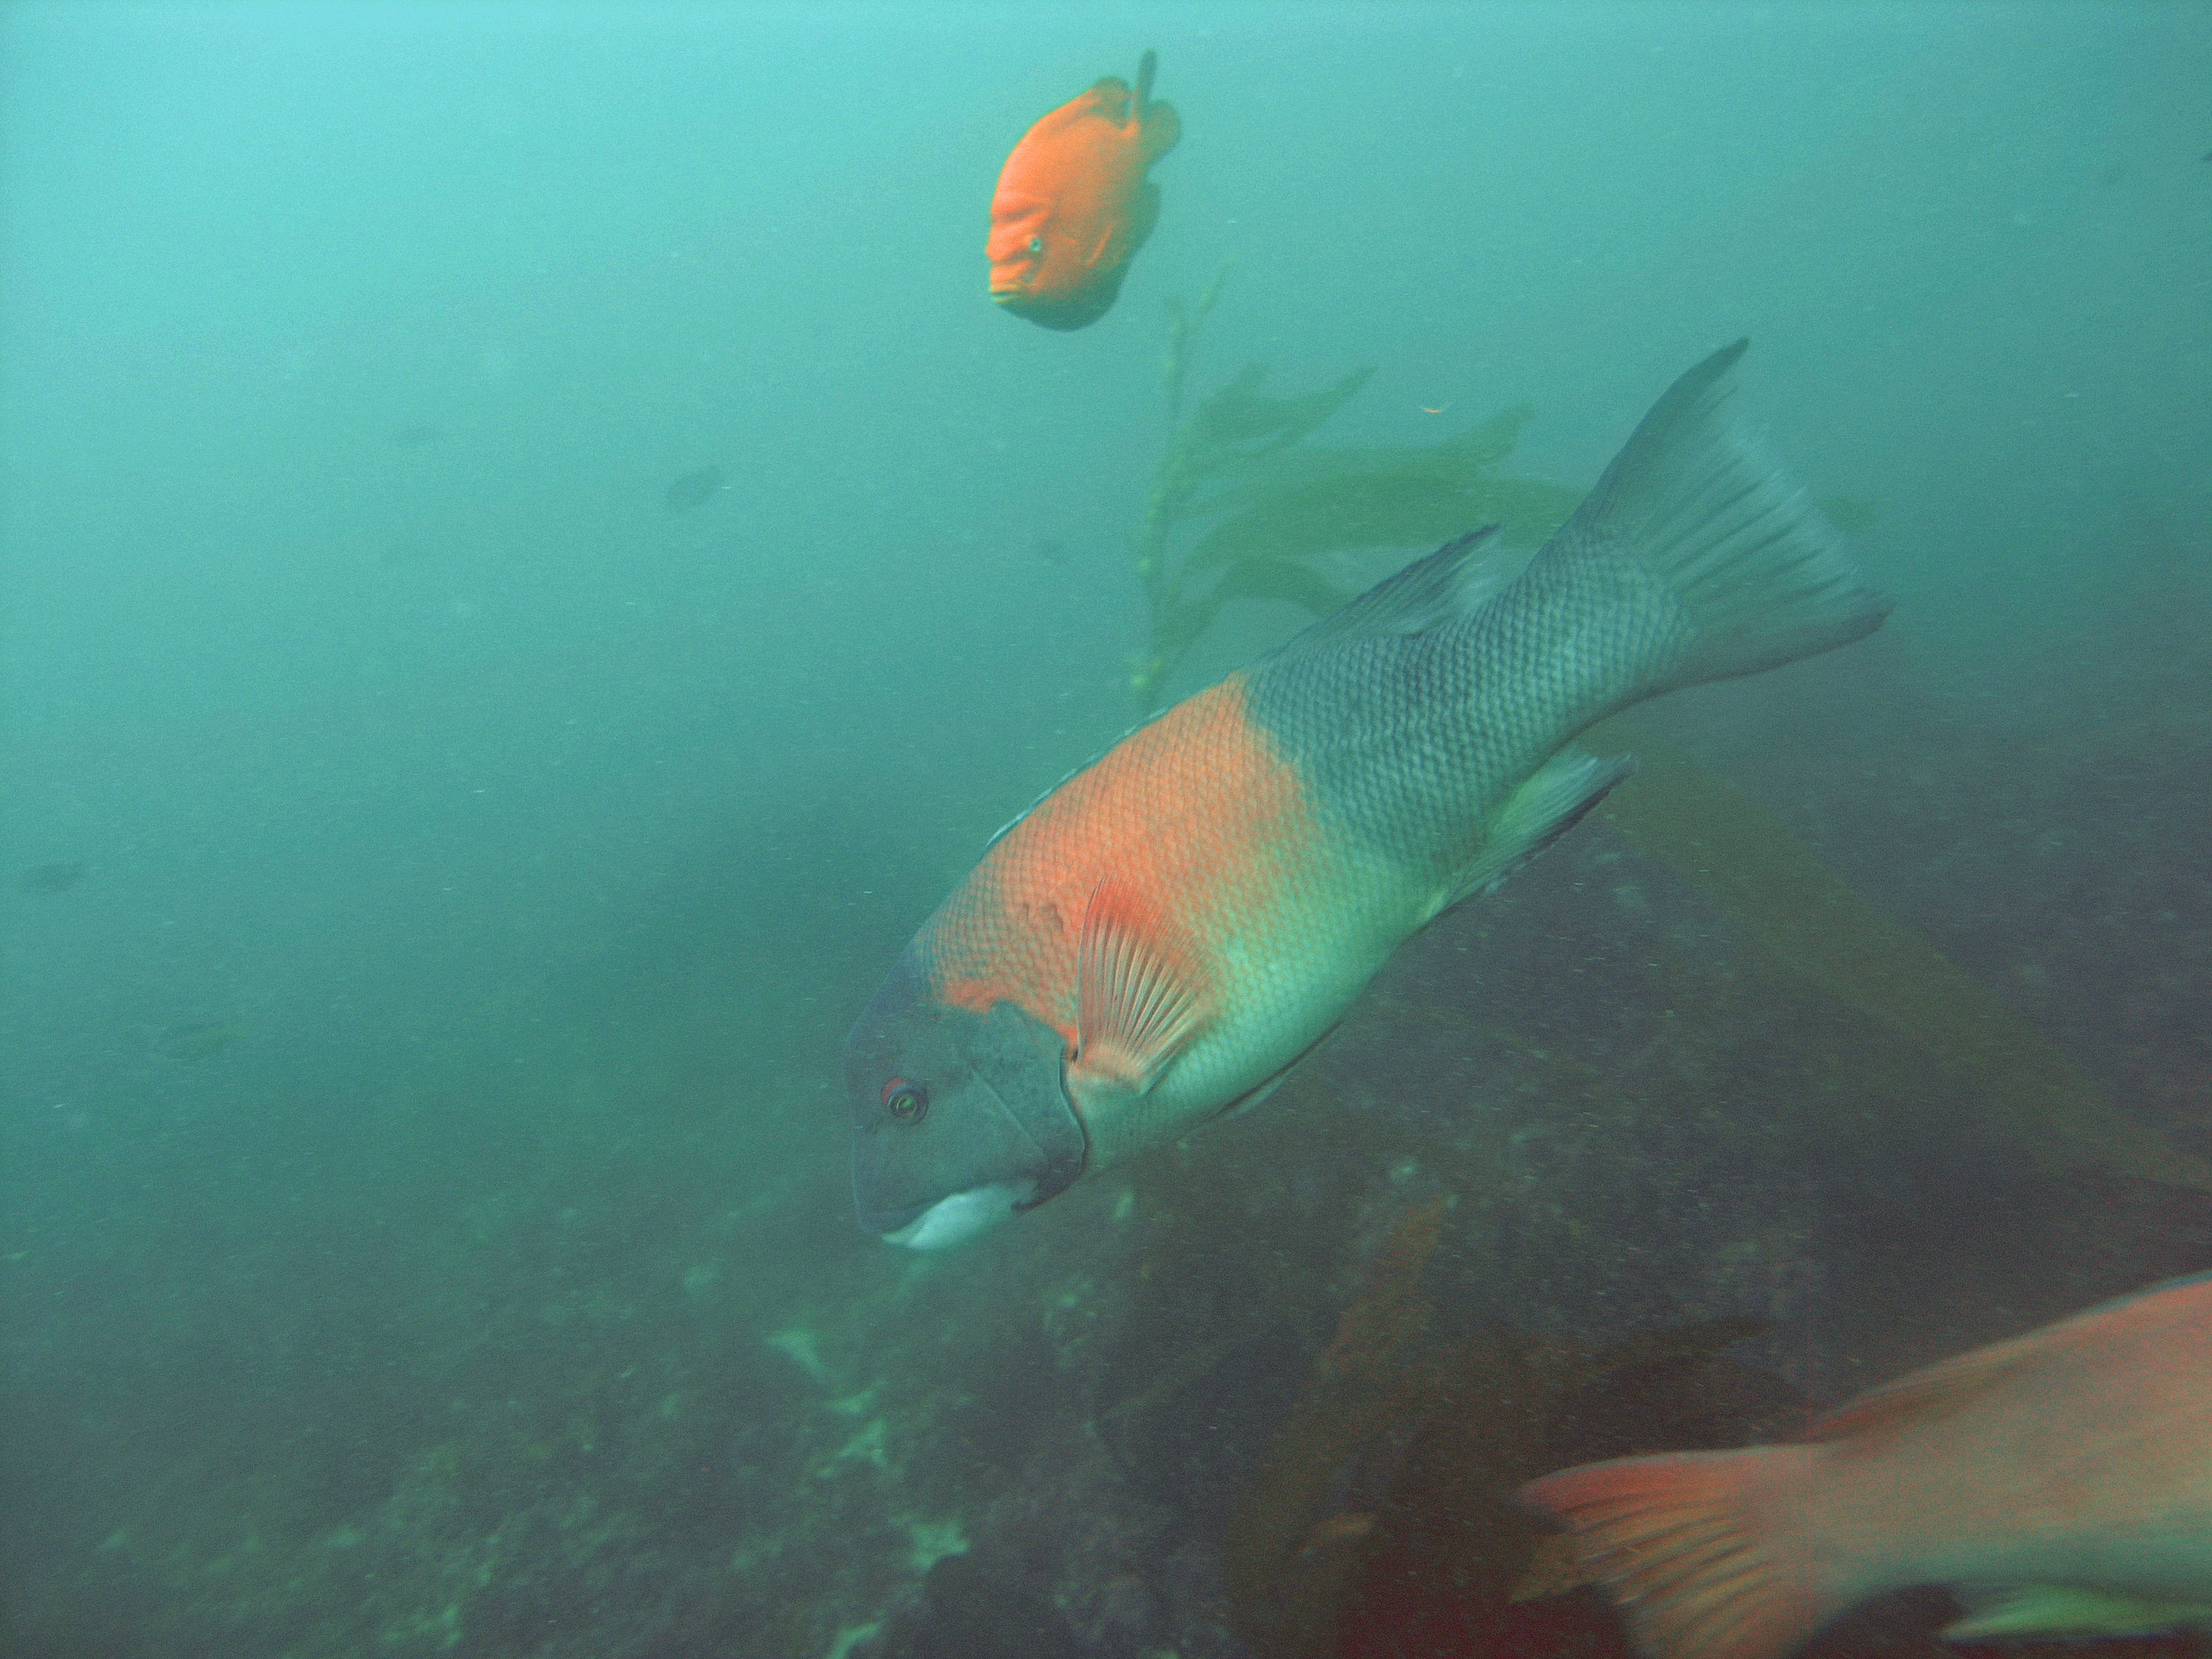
(1139, 988)
(1928, 1396)
(1432, 590)
(1938, 1392)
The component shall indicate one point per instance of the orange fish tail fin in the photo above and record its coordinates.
(1678, 1545)
(1163, 130)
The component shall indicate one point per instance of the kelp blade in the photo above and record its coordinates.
(1807, 917)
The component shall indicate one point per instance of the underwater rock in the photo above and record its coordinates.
(1384, 1519)
(980, 1605)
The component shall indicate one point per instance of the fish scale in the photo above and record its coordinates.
(1411, 742)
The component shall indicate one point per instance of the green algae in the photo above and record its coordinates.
(1244, 507)
(1183, 324)
(930, 1541)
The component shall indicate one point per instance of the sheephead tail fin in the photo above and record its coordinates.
(1696, 1571)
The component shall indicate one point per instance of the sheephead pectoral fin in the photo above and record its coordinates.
(2067, 1610)
(1139, 990)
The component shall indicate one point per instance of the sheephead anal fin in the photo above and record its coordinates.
(2070, 1611)
(1139, 988)
(1555, 799)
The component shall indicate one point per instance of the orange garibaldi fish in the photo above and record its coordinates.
(1162, 937)
(1073, 205)
(2059, 1483)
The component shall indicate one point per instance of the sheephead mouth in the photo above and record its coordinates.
(957, 1219)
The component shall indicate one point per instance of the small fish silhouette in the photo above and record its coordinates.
(53, 878)
(196, 1040)
(694, 490)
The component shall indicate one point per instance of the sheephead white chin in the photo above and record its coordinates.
(957, 1219)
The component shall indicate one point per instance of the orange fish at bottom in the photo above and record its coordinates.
(1073, 205)
(2060, 1484)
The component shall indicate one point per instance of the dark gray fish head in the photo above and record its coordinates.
(960, 1119)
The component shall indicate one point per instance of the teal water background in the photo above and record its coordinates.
(536, 841)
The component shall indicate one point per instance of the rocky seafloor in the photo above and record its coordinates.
(1595, 1168)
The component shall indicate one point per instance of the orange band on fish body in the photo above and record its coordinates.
(1195, 814)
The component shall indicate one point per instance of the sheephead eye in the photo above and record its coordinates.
(906, 1101)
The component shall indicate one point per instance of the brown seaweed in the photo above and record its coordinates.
(1386, 1501)
(1291, 1546)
